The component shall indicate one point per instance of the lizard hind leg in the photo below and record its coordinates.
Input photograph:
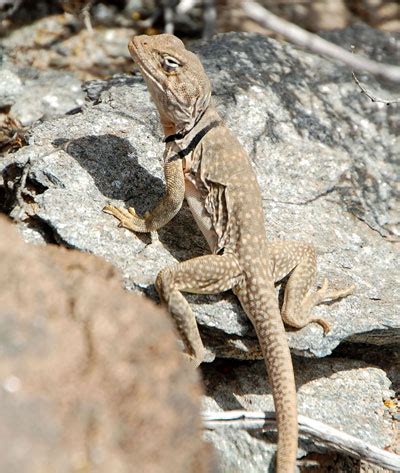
(208, 274)
(299, 299)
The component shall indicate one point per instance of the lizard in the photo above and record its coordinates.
(205, 164)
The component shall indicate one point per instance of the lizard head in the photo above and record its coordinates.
(175, 78)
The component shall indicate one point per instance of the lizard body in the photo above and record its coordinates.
(205, 163)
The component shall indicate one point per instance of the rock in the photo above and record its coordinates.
(8, 7)
(34, 95)
(46, 95)
(382, 14)
(325, 158)
(345, 394)
(58, 42)
(10, 88)
(90, 375)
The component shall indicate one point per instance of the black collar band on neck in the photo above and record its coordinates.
(182, 134)
(195, 141)
(176, 136)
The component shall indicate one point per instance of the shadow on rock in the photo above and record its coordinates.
(113, 164)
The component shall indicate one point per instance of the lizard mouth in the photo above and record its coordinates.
(138, 52)
(140, 55)
(133, 50)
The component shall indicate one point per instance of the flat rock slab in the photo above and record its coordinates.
(325, 158)
(344, 394)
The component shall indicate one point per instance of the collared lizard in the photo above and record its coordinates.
(205, 163)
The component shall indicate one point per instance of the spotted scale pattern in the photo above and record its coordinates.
(222, 191)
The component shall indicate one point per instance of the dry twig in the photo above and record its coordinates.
(184, 6)
(322, 433)
(368, 94)
(318, 45)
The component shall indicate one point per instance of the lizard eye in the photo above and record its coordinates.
(170, 64)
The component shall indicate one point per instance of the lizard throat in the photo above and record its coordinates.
(193, 142)
(181, 134)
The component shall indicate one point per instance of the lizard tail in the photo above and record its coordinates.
(266, 318)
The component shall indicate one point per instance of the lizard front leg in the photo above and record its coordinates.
(208, 274)
(163, 212)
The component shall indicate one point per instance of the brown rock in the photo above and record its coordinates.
(90, 377)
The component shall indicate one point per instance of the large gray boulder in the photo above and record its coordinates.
(324, 159)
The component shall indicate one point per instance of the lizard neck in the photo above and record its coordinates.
(168, 127)
(172, 132)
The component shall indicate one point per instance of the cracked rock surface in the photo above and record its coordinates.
(326, 159)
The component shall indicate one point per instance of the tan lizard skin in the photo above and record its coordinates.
(206, 164)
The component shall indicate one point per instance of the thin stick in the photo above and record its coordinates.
(330, 437)
(184, 6)
(368, 94)
(87, 20)
(317, 44)
(169, 17)
(209, 18)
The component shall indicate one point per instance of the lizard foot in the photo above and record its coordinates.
(323, 294)
(326, 326)
(193, 362)
(302, 316)
(128, 218)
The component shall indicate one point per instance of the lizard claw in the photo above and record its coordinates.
(132, 211)
(108, 209)
(128, 218)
